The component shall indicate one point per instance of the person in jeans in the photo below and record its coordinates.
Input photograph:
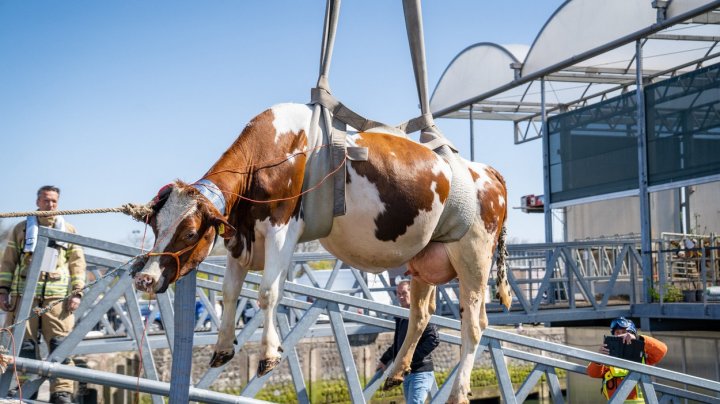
(417, 384)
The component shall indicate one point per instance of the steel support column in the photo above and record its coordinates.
(645, 240)
(546, 166)
(472, 135)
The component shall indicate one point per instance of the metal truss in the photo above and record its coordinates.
(556, 274)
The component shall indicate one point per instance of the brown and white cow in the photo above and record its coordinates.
(394, 201)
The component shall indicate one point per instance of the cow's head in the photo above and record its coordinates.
(185, 224)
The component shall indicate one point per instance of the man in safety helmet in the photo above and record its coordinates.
(654, 351)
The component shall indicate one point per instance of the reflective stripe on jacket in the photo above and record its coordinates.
(69, 274)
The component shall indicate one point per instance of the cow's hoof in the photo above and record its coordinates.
(220, 358)
(266, 365)
(392, 382)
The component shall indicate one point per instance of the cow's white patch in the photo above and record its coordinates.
(353, 238)
(152, 268)
(290, 118)
(366, 193)
(351, 139)
(440, 168)
(178, 206)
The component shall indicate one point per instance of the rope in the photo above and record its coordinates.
(274, 200)
(6, 359)
(138, 212)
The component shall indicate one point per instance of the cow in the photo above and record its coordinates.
(251, 198)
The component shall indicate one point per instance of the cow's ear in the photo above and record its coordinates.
(159, 200)
(224, 229)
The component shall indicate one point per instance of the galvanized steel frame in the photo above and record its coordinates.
(564, 268)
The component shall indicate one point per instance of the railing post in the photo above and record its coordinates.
(183, 344)
(23, 310)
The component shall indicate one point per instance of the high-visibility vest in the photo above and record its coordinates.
(612, 379)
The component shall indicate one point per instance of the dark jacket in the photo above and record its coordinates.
(422, 358)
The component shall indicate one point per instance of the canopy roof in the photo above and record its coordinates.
(586, 53)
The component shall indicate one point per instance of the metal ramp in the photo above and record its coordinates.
(347, 315)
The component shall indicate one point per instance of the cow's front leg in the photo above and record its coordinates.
(232, 284)
(279, 247)
(268, 300)
(421, 295)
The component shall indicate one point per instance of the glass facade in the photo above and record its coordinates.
(593, 150)
(683, 125)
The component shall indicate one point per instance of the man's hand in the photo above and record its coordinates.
(4, 301)
(380, 366)
(628, 338)
(73, 303)
(604, 349)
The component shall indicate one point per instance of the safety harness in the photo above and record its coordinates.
(330, 117)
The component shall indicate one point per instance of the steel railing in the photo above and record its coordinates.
(544, 276)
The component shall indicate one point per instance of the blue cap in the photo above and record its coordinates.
(622, 322)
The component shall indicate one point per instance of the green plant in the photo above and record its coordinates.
(322, 264)
(671, 294)
(335, 391)
(283, 392)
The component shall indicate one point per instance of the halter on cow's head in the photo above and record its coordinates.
(185, 220)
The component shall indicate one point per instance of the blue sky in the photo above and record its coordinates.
(112, 100)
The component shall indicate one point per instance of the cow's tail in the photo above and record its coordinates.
(503, 287)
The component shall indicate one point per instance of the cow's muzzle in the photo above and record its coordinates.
(144, 279)
(145, 283)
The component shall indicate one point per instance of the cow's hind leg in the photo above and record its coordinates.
(472, 258)
(422, 303)
(232, 283)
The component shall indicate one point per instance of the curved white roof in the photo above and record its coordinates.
(585, 52)
(478, 68)
(581, 25)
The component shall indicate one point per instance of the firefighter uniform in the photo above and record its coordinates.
(67, 279)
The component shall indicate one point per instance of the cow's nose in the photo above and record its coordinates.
(144, 282)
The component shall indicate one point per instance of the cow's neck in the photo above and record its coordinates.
(262, 145)
(232, 174)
